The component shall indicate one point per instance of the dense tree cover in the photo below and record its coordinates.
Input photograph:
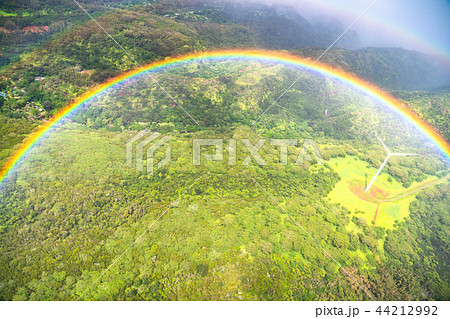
(12, 132)
(426, 257)
(390, 68)
(223, 226)
(275, 28)
(75, 57)
(26, 24)
(73, 206)
(434, 106)
(316, 108)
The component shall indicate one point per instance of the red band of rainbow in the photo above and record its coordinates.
(273, 56)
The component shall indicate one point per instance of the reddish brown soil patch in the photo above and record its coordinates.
(375, 217)
(374, 195)
(377, 193)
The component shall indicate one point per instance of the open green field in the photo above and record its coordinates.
(6, 14)
(349, 192)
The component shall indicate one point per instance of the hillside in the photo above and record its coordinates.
(229, 228)
(74, 205)
(77, 57)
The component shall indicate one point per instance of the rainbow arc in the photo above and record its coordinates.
(269, 56)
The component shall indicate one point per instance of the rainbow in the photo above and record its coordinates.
(395, 29)
(270, 56)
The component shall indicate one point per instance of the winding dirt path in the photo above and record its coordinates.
(375, 218)
(379, 201)
(413, 191)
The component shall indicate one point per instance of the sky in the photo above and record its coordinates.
(422, 25)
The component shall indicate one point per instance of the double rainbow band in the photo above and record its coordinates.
(270, 56)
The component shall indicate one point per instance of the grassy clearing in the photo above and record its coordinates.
(349, 192)
(249, 79)
(6, 14)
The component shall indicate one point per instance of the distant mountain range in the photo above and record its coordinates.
(73, 54)
(279, 27)
(391, 68)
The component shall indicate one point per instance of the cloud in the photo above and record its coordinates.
(411, 24)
